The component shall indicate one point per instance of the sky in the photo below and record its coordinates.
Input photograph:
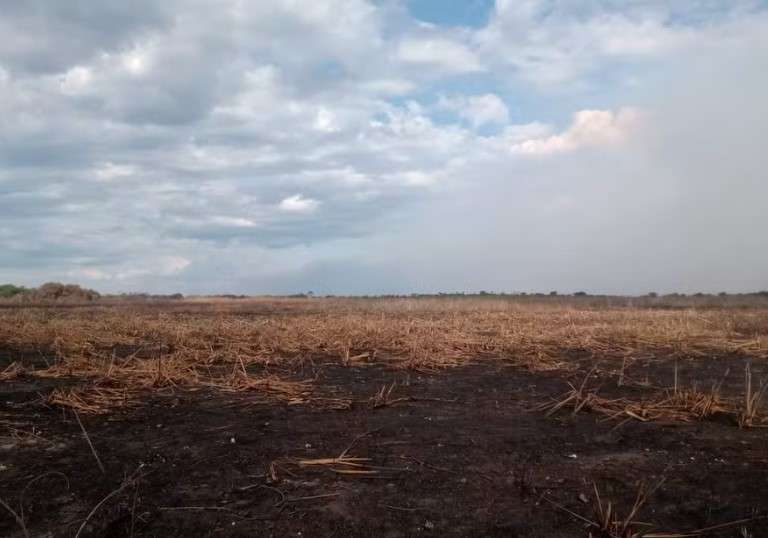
(385, 146)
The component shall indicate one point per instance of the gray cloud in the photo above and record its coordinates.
(682, 207)
(40, 36)
(202, 147)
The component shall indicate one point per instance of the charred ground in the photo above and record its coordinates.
(392, 418)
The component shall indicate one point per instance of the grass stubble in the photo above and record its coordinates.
(116, 353)
(108, 357)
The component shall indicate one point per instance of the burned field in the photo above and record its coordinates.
(330, 417)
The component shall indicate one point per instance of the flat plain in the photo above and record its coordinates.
(442, 416)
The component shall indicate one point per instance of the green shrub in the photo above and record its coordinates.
(9, 290)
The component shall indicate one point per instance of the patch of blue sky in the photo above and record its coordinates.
(524, 103)
(470, 13)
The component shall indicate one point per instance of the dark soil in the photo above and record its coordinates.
(465, 455)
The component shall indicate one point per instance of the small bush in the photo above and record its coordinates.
(9, 290)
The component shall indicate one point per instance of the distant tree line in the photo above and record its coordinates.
(58, 292)
(483, 293)
(139, 297)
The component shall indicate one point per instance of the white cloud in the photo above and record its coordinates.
(171, 265)
(393, 86)
(77, 80)
(237, 222)
(551, 44)
(478, 110)
(109, 171)
(417, 178)
(347, 176)
(445, 54)
(325, 121)
(90, 273)
(298, 204)
(136, 62)
(589, 128)
(163, 266)
(527, 131)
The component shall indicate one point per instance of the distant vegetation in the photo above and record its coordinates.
(582, 299)
(142, 297)
(9, 290)
(56, 292)
(48, 292)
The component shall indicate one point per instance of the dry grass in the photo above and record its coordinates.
(91, 399)
(608, 523)
(12, 371)
(119, 351)
(109, 357)
(749, 415)
(384, 397)
(343, 464)
(697, 403)
(677, 405)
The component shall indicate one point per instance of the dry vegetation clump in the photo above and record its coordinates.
(55, 292)
(384, 397)
(608, 523)
(231, 345)
(749, 415)
(750, 324)
(12, 371)
(697, 403)
(120, 383)
(677, 405)
(343, 464)
(91, 399)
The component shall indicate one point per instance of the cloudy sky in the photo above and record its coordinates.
(361, 146)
